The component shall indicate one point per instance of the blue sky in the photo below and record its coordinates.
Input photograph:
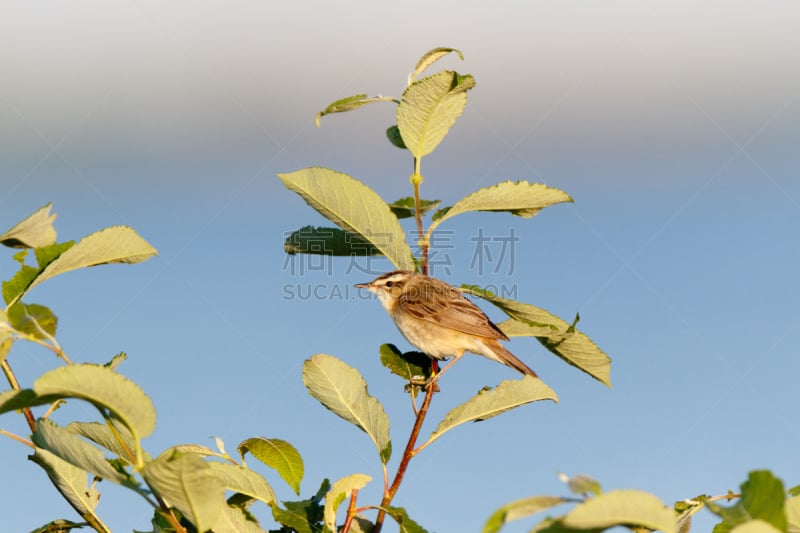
(673, 126)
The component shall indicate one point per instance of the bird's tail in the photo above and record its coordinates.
(507, 358)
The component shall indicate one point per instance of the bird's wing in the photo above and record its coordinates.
(451, 309)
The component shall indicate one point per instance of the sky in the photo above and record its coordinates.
(673, 125)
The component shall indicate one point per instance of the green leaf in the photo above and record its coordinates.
(519, 509)
(429, 58)
(278, 455)
(343, 390)
(755, 526)
(117, 244)
(189, 484)
(243, 480)
(508, 395)
(394, 136)
(35, 231)
(794, 491)
(355, 208)
(428, 108)
(792, 506)
(574, 347)
(235, 520)
(406, 524)
(405, 207)
(105, 389)
(518, 198)
(33, 319)
(13, 400)
(340, 490)
(118, 441)
(622, 508)
(71, 448)
(349, 103)
(581, 484)
(762, 497)
(70, 481)
(328, 241)
(14, 288)
(59, 526)
(410, 365)
(300, 515)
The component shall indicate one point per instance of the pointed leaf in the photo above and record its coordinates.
(295, 519)
(555, 334)
(519, 509)
(327, 241)
(507, 395)
(339, 491)
(243, 481)
(355, 208)
(104, 388)
(117, 244)
(343, 390)
(410, 366)
(35, 231)
(278, 455)
(431, 57)
(59, 526)
(300, 515)
(349, 103)
(70, 481)
(429, 107)
(14, 288)
(119, 441)
(622, 507)
(74, 450)
(518, 198)
(405, 207)
(582, 484)
(189, 484)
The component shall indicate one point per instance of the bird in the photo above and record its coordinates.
(439, 320)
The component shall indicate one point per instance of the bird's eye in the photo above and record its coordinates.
(389, 283)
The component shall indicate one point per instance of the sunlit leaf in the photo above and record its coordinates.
(343, 390)
(327, 241)
(35, 231)
(518, 198)
(762, 497)
(235, 520)
(59, 526)
(119, 441)
(622, 507)
(243, 480)
(349, 103)
(755, 526)
(507, 395)
(71, 448)
(71, 482)
(117, 244)
(189, 484)
(355, 208)
(429, 107)
(519, 509)
(278, 455)
(340, 490)
(429, 58)
(104, 388)
(555, 334)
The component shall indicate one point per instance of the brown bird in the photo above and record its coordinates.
(439, 320)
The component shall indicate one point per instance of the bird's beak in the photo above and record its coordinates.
(363, 285)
